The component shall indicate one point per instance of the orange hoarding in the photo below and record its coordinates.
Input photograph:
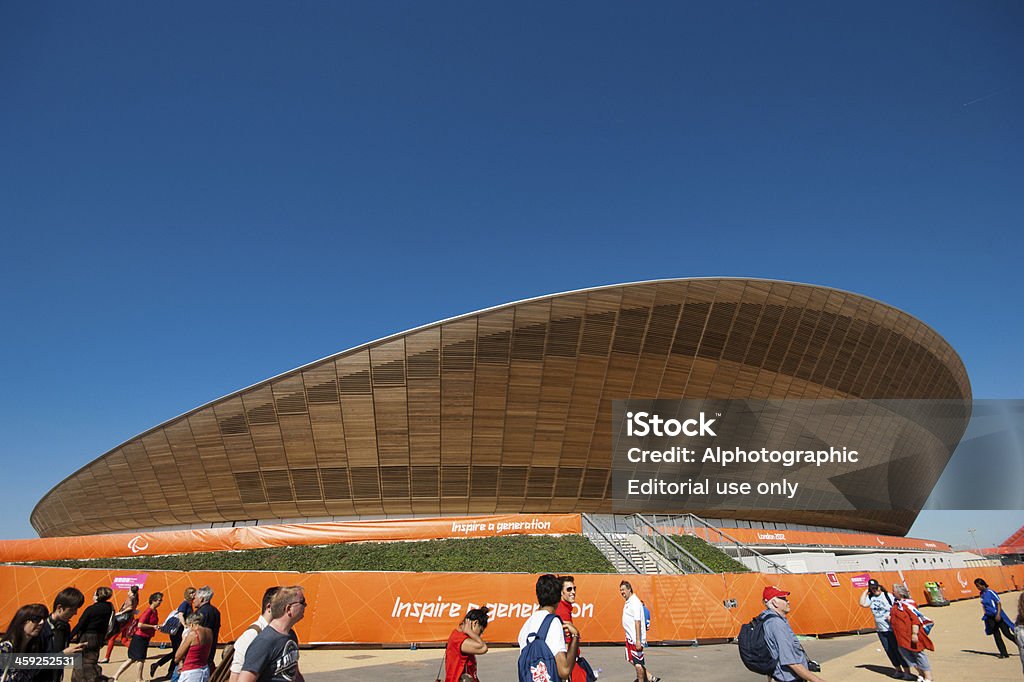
(259, 537)
(757, 536)
(400, 608)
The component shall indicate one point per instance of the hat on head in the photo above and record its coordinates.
(771, 592)
(873, 583)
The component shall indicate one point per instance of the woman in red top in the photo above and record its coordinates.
(194, 652)
(144, 631)
(464, 645)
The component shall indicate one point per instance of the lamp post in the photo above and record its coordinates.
(974, 539)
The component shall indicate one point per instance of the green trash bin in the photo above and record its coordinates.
(933, 591)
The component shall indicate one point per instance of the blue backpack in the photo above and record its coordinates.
(536, 662)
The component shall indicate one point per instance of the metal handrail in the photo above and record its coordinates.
(739, 545)
(611, 543)
(675, 545)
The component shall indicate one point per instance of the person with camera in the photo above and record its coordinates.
(880, 602)
(790, 658)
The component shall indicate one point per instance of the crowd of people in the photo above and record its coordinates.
(266, 652)
(903, 630)
(549, 640)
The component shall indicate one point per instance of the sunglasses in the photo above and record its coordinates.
(569, 589)
(303, 602)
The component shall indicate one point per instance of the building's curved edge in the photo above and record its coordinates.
(455, 318)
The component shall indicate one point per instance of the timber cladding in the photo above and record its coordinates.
(505, 410)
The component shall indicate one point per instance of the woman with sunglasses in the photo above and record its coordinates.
(22, 637)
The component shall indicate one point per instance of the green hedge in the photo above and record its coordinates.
(512, 554)
(715, 559)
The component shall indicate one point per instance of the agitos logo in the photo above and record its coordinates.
(137, 544)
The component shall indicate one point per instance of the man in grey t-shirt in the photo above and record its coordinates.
(791, 661)
(274, 655)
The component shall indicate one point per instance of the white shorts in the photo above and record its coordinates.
(195, 675)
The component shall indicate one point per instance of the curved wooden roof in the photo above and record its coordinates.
(506, 409)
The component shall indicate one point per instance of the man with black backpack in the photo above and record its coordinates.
(543, 653)
(768, 645)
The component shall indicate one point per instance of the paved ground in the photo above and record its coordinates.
(963, 653)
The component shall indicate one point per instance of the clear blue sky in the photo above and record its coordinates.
(197, 196)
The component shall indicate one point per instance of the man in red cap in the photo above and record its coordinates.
(790, 658)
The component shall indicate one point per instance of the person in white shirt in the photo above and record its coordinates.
(245, 639)
(635, 626)
(549, 593)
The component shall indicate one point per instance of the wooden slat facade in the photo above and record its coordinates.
(506, 410)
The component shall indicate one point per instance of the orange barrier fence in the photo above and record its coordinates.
(259, 537)
(756, 536)
(424, 607)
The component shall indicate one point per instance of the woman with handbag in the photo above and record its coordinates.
(464, 645)
(91, 631)
(125, 617)
(145, 628)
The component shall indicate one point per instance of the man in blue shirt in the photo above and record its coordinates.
(791, 661)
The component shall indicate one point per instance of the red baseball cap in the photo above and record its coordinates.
(771, 592)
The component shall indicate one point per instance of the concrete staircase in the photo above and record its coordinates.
(623, 551)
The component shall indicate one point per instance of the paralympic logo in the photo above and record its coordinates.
(137, 544)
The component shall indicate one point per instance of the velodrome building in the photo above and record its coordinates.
(508, 410)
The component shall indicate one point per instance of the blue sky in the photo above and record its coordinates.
(194, 197)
